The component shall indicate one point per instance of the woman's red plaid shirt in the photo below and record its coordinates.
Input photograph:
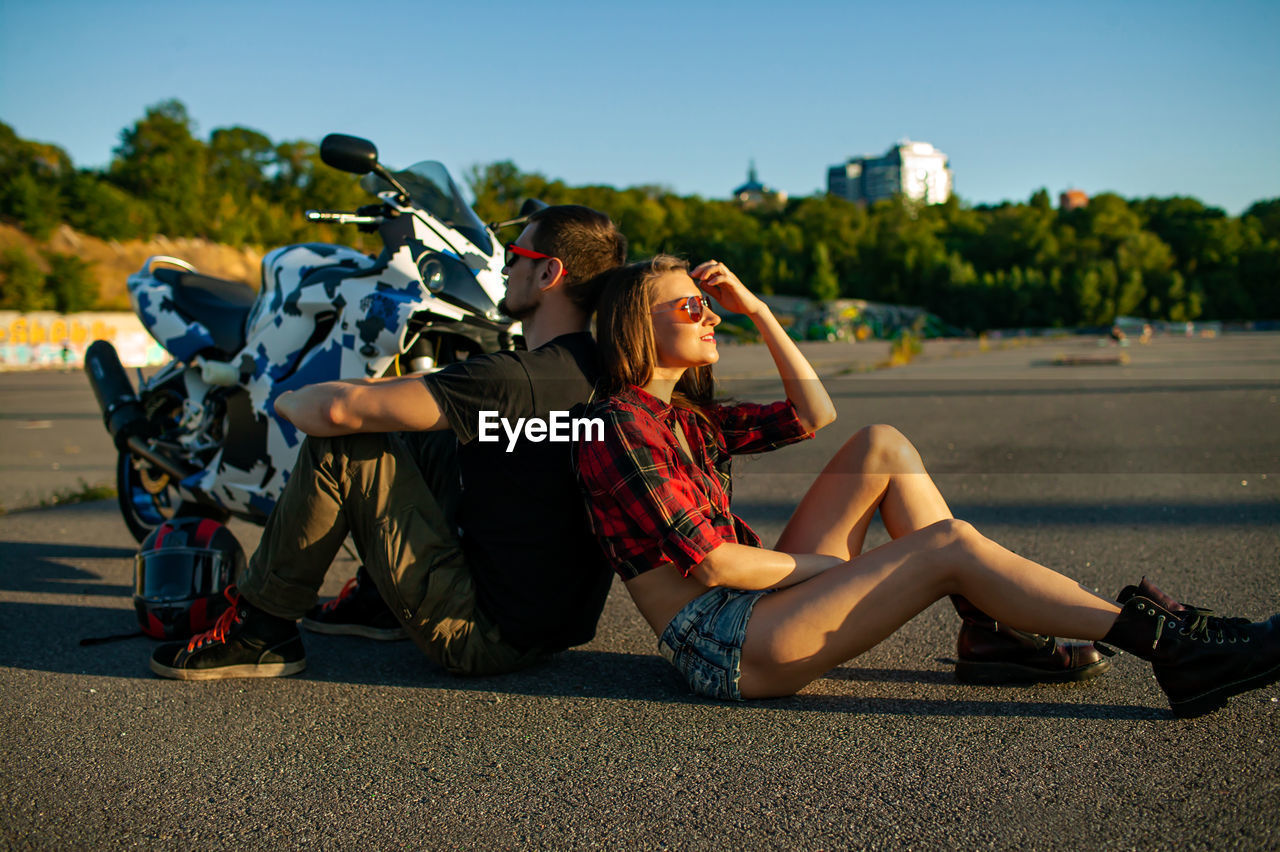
(649, 502)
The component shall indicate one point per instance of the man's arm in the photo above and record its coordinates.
(343, 408)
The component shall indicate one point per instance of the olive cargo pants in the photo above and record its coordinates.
(397, 495)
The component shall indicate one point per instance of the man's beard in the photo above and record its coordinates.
(517, 312)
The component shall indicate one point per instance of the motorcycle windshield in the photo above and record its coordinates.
(432, 189)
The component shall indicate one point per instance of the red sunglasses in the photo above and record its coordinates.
(694, 306)
(514, 252)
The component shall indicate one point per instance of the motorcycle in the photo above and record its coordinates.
(201, 435)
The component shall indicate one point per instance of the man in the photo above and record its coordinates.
(483, 554)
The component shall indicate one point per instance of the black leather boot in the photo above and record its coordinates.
(1200, 660)
(992, 653)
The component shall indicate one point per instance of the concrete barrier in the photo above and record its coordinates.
(50, 340)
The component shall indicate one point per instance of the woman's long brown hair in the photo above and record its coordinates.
(624, 330)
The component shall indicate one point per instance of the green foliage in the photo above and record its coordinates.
(1012, 264)
(22, 284)
(238, 188)
(239, 159)
(161, 160)
(103, 210)
(907, 343)
(68, 286)
(70, 283)
(35, 204)
(83, 493)
(29, 176)
(823, 286)
(1266, 215)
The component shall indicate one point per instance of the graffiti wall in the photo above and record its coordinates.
(44, 339)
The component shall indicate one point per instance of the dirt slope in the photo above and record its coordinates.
(113, 261)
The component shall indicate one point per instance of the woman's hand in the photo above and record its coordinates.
(716, 279)
(804, 389)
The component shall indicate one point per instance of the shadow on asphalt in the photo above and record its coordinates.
(893, 675)
(1181, 514)
(968, 388)
(52, 415)
(45, 638)
(44, 567)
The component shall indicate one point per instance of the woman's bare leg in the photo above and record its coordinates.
(877, 468)
(797, 634)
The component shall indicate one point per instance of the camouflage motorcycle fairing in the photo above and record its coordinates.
(152, 301)
(324, 312)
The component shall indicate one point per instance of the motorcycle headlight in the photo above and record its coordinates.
(432, 271)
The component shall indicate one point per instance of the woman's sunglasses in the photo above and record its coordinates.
(515, 252)
(694, 306)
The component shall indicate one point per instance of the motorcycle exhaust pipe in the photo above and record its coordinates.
(122, 413)
(176, 470)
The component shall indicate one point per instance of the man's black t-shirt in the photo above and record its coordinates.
(538, 571)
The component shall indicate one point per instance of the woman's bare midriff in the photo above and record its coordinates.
(661, 592)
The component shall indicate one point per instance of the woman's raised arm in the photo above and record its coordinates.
(801, 383)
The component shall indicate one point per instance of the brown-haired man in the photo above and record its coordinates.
(479, 547)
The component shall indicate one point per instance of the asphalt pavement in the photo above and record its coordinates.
(1166, 466)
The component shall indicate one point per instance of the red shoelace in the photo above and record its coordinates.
(218, 632)
(347, 591)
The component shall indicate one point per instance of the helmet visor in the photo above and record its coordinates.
(180, 573)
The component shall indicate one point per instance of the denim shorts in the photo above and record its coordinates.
(704, 641)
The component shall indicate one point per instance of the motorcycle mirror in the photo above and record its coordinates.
(348, 153)
(358, 156)
(530, 206)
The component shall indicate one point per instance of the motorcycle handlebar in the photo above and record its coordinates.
(342, 217)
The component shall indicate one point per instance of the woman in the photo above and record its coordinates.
(741, 621)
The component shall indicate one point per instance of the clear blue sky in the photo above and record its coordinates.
(1141, 98)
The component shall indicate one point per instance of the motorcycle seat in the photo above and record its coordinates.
(219, 305)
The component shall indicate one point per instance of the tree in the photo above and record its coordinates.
(21, 282)
(29, 177)
(500, 188)
(103, 210)
(160, 161)
(239, 159)
(1267, 215)
(35, 204)
(823, 284)
(1259, 269)
(302, 181)
(1004, 265)
(70, 283)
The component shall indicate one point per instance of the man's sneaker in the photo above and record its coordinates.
(992, 653)
(358, 610)
(245, 642)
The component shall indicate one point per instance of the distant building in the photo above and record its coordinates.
(1073, 199)
(755, 194)
(916, 170)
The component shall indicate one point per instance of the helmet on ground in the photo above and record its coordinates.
(179, 575)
